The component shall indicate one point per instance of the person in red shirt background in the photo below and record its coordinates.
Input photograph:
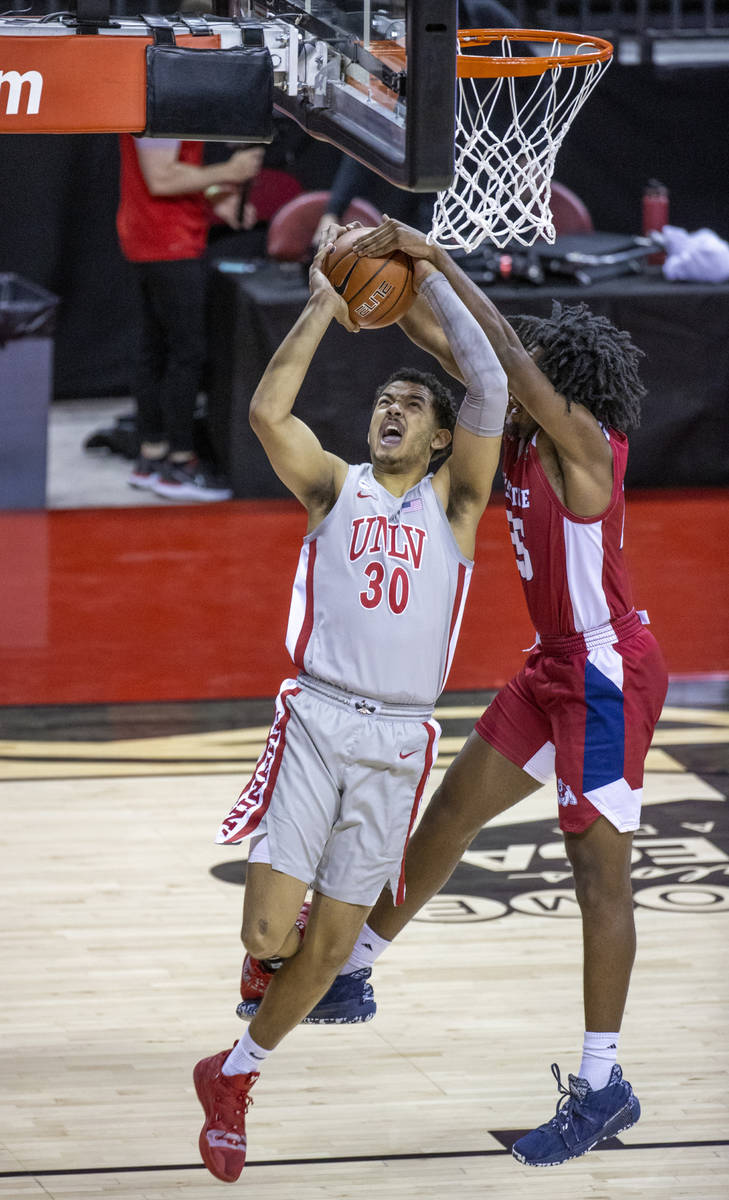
(168, 200)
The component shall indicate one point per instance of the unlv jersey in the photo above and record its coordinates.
(571, 568)
(379, 593)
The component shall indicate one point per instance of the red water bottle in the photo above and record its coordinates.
(655, 213)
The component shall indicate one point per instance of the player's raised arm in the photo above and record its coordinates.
(309, 471)
(572, 428)
(464, 481)
(440, 323)
(421, 326)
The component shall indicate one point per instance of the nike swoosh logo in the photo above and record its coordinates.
(364, 495)
(339, 288)
(409, 754)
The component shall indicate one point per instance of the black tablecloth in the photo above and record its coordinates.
(683, 329)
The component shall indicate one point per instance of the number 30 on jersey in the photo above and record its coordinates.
(398, 590)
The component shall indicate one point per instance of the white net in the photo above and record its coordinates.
(508, 132)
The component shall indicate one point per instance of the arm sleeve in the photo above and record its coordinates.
(484, 407)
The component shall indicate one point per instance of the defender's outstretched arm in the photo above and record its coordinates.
(442, 324)
(574, 431)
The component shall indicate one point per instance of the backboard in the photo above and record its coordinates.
(375, 78)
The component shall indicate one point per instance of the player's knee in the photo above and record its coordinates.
(259, 938)
(601, 861)
(601, 890)
(326, 956)
(329, 962)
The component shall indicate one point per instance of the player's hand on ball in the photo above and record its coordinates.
(319, 285)
(329, 230)
(321, 233)
(394, 235)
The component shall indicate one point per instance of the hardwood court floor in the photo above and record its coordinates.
(120, 963)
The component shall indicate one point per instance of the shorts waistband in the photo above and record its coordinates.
(602, 635)
(364, 705)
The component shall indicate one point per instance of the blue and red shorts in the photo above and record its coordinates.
(588, 714)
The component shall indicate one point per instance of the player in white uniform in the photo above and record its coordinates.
(375, 613)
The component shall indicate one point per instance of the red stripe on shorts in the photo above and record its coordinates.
(255, 798)
(416, 805)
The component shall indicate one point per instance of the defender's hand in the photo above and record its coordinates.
(394, 235)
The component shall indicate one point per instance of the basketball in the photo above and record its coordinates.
(378, 291)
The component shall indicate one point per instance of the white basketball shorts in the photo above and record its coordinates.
(337, 790)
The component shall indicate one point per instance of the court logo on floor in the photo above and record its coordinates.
(680, 864)
(680, 853)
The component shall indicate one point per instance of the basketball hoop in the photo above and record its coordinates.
(512, 114)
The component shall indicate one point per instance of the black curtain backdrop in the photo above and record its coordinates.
(58, 197)
(641, 123)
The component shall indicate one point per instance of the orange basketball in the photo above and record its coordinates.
(378, 291)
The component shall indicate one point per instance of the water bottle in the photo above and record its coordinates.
(655, 213)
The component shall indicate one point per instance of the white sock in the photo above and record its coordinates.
(245, 1056)
(368, 947)
(599, 1054)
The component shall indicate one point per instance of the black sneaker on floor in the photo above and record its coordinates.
(190, 481)
(146, 472)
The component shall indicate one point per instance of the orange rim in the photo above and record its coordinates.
(493, 66)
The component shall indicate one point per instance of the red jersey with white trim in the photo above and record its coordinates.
(572, 568)
(379, 593)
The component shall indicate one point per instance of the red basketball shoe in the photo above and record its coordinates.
(225, 1101)
(258, 973)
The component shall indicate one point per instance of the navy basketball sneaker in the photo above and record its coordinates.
(349, 1001)
(583, 1118)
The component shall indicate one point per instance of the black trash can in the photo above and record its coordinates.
(27, 322)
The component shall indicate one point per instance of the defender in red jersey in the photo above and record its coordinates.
(588, 697)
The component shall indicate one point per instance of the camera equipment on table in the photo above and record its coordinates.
(582, 258)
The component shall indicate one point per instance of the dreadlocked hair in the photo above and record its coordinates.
(588, 361)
